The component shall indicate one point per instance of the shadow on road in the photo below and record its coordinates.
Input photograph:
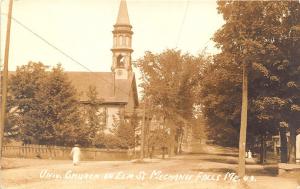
(265, 171)
(215, 170)
(228, 162)
(217, 160)
(216, 154)
(256, 171)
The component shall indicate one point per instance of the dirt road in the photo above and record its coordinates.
(190, 171)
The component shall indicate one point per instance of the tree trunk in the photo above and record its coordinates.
(172, 139)
(181, 141)
(151, 152)
(163, 152)
(292, 144)
(243, 128)
(283, 145)
(262, 150)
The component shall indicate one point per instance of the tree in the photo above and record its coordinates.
(46, 105)
(61, 109)
(23, 86)
(125, 131)
(169, 83)
(199, 131)
(94, 118)
(220, 99)
(258, 34)
(158, 138)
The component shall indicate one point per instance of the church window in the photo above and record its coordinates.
(115, 41)
(121, 61)
(123, 41)
(127, 41)
(120, 40)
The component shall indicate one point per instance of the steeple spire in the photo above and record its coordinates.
(122, 37)
(123, 18)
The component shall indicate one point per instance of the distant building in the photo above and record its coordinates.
(277, 144)
(116, 90)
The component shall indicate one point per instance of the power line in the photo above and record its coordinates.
(63, 53)
(182, 23)
(204, 47)
(50, 44)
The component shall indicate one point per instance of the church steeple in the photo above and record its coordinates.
(122, 36)
(123, 18)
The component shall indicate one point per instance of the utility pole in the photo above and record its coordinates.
(0, 58)
(243, 128)
(5, 76)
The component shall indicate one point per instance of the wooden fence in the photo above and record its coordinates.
(59, 152)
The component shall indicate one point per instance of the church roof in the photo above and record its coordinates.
(109, 90)
(123, 18)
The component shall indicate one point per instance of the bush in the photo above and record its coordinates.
(112, 142)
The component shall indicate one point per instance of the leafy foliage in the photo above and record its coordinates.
(262, 35)
(45, 105)
(94, 118)
(170, 80)
(124, 130)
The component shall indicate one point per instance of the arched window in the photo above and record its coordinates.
(121, 61)
(115, 41)
(127, 41)
(120, 40)
(123, 40)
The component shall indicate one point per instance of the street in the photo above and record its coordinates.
(215, 169)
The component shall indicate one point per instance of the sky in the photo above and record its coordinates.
(82, 29)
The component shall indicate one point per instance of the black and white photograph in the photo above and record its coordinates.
(150, 94)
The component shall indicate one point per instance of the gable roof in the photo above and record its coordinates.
(109, 90)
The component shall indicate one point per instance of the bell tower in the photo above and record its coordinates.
(122, 36)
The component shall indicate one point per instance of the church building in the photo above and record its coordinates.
(116, 90)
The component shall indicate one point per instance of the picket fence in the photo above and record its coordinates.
(59, 152)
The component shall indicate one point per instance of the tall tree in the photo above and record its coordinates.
(46, 105)
(258, 34)
(24, 85)
(169, 82)
(94, 117)
(220, 99)
(125, 131)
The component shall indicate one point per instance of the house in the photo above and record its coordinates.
(276, 145)
(116, 90)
